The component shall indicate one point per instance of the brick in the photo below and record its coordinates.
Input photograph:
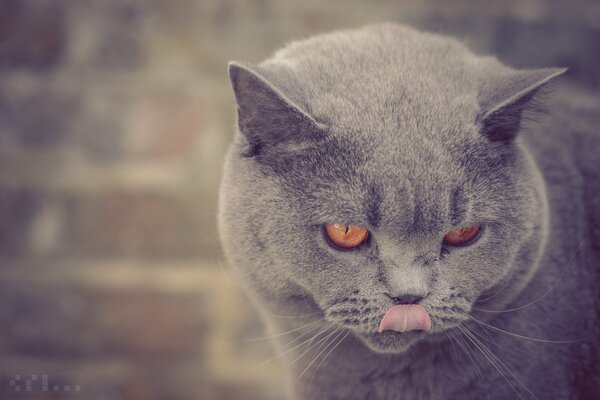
(114, 117)
(18, 209)
(145, 224)
(32, 34)
(102, 380)
(69, 323)
(135, 330)
(36, 116)
(112, 222)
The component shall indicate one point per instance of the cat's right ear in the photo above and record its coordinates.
(504, 98)
(266, 117)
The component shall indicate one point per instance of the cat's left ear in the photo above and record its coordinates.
(504, 98)
(266, 116)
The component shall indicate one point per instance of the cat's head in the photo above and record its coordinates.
(404, 137)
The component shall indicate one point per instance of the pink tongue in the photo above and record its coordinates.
(404, 318)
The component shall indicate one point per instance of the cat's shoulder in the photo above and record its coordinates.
(569, 140)
(569, 128)
(575, 121)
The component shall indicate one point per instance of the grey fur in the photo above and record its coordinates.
(412, 135)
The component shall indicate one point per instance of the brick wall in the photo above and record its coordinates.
(114, 117)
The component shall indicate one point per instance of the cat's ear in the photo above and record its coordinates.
(266, 116)
(504, 98)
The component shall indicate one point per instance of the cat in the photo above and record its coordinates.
(411, 225)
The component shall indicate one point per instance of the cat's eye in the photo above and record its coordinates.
(463, 236)
(346, 236)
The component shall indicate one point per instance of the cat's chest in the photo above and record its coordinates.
(431, 374)
(455, 369)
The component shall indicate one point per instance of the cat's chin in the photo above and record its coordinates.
(389, 342)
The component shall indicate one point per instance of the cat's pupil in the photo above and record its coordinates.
(345, 236)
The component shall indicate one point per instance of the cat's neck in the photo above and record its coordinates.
(340, 365)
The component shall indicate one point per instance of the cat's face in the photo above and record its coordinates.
(408, 199)
(408, 175)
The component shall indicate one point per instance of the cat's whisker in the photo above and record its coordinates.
(310, 341)
(324, 329)
(312, 346)
(484, 336)
(227, 280)
(485, 331)
(558, 280)
(237, 294)
(451, 340)
(325, 358)
(494, 363)
(318, 355)
(257, 339)
(324, 348)
(309, 331)
(322, 343)
(496, 293)
(465, 349)
(294, 316)
(498, 363)
(526, 337)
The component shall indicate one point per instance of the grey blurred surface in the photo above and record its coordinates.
(114, 118)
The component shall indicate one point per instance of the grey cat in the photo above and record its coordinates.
(406, 227)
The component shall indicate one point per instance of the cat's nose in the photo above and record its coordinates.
(407, 299)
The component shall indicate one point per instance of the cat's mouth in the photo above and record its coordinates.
(391, 341)
(401, 326)
(405, 318)
(407, 330)
(393, 328)
(393, 331)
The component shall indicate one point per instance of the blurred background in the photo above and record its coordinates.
(114, 119)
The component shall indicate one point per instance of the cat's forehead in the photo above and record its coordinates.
(380, 80)
(419, 204)
(375, 185)
(401, 110)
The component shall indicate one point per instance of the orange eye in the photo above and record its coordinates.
(462, 236)
(346, 236)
